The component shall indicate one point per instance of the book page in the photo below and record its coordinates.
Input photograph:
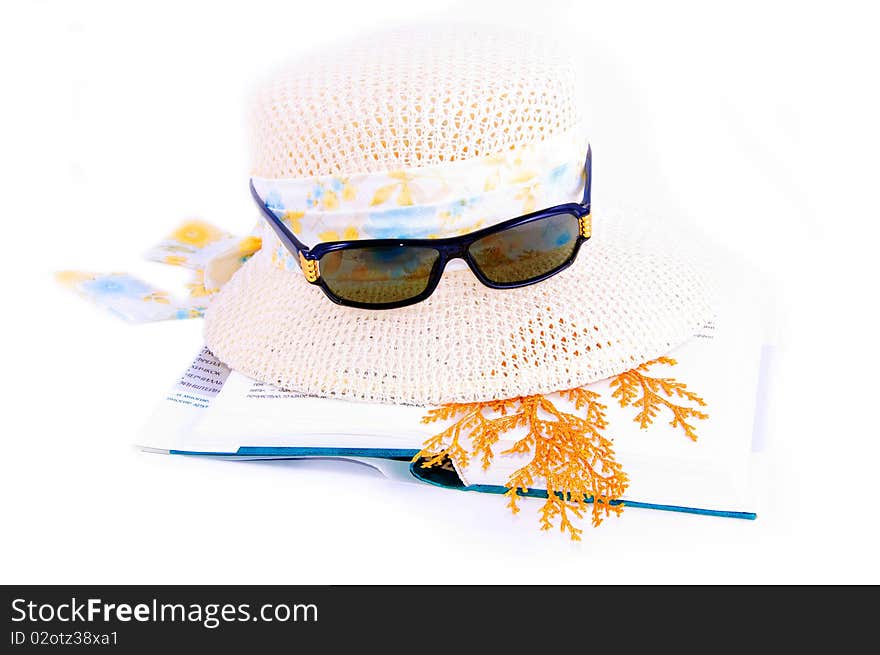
(170, 427)
(201, 382)
(185, 403)
(248, 413)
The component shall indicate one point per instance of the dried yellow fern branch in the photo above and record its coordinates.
(569, 452)
(650, 395)
(471, 423)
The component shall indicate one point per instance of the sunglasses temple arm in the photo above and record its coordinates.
(588, 177)
(290, 242)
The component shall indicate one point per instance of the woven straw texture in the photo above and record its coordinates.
(626, 300)
(410, 98)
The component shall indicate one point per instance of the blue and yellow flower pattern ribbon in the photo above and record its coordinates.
(212, 254)
(437, 201)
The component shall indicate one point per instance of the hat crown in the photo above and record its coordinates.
(413, 97)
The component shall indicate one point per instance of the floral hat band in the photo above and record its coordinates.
(437, 201)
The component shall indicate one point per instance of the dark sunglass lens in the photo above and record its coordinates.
(526, 252)
(378, 275)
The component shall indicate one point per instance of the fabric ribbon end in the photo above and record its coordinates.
(211, 253)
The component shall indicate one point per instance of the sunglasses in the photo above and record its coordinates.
(389, 273)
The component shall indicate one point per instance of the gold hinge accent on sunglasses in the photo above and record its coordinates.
(586, 223)
(309, 268)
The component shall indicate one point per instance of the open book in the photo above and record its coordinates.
(212, 411)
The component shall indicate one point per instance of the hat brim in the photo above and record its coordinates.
(632, 295)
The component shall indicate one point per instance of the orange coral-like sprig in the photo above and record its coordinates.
(483, 432)
(634, 388)
(573, 458)
(568, 452)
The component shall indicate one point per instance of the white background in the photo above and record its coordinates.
(758, 122)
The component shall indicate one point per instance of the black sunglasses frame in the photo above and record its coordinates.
(448, 249)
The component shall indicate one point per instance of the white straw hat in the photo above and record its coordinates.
(435, 132)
